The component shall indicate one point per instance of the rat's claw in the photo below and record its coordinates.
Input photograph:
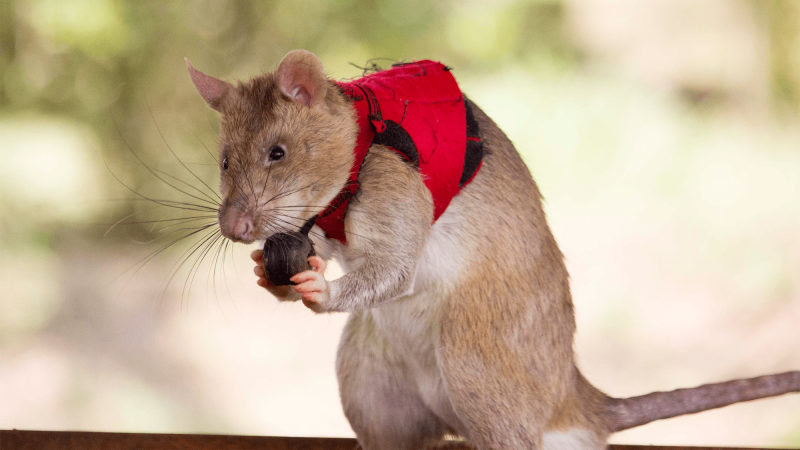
(257, 255)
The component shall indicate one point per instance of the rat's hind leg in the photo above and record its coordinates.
(509, 371)
(380, 401)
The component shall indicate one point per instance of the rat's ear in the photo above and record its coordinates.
(212, 90)
(301, 78)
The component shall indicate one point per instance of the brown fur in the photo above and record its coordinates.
(462, 327)
(257, 116)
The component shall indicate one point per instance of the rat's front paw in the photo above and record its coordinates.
(311, 285)
(282, 293)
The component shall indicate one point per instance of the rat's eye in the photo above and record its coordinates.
(276, 153)
(225, 163)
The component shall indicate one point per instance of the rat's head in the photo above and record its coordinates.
(286, 146)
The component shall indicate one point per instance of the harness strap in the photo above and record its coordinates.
(417, 110)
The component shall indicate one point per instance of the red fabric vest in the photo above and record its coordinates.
(417, 110)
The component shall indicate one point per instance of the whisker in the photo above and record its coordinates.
(149, 169)
(139, 265)
(183, 259)
(235, 269)
(293, 237)
(166, 203)
(239, 187)
(163, 233)
(142, 222)
(204, 146)
(142, 263)
(299, 206)
(183, 228)
(225, 275)
(114, 225)
(211, 199)
(284, 194)
(264, 188)
(196, 267)
(298, 227)
(279, 209)
(250, 182)
(179, 160)
(320, 235)
(213, 273)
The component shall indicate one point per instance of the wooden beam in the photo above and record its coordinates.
(85, 440)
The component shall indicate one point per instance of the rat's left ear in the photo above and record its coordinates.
(301, 78)
(213, 90)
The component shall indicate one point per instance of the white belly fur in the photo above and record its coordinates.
(573, 439)
(408, 322)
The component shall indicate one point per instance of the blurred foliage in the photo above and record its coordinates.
(783, 17)
(117, 67)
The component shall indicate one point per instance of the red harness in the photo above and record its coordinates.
(417, 110)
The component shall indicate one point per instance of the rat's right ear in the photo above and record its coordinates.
(213, 90)
(301, 77)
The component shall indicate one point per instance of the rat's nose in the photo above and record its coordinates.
(240, 228)
(243, 227)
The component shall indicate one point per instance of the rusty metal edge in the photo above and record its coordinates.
(87, 440)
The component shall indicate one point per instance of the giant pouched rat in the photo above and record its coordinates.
(459, 325)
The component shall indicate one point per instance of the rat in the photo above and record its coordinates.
(461, 318)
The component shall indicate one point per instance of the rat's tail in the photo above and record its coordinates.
(634, 411)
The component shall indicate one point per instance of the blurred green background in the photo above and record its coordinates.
(664, 136)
